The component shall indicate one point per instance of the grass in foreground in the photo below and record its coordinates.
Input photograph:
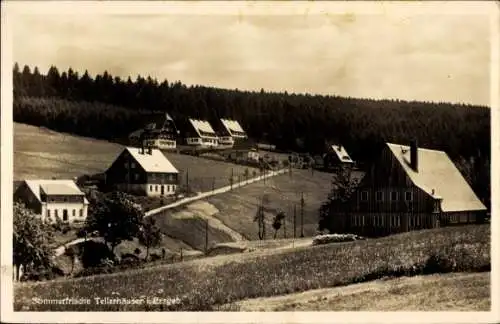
(205, 283)
(441, 292)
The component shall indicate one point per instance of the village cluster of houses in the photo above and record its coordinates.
(164, 134)
(139, 171)
(408, 188)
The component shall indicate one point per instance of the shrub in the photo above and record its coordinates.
(335, 238)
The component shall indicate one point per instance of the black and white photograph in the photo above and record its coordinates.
(212, 158)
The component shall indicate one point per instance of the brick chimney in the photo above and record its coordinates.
(414, 155)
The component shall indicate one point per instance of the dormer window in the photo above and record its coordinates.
(394, 195)
(364, 195)
(408, 196)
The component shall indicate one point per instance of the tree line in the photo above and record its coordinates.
(81, 104)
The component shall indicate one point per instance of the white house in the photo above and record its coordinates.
(144, 172)
(53, 199)
(201, 134)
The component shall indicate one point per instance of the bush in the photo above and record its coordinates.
(42, 274)
(335, 238)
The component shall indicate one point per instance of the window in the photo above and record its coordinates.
(65, 217)
(411, 220)
(364, 195)
(378, 195)
(398, 220)
(156, 188)
(394, 195)
(48, 213)
(408, 196)
(81, 212)
(153, 176)
(168, 188)
(74, 212)
(137, 176)
(56, 213)
(418, 220)
(126, 164)
(132, 165)
(151, 188)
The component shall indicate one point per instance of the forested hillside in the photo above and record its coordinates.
(108, 107)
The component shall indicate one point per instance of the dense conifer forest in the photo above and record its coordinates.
(109, 107)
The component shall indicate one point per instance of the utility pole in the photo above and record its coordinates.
(284, 225)
(294, 220)
(231, 180)
(302, 215)
(206, 236)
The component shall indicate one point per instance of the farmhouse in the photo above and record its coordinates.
(336, 156)
(409, 188)
(143, 171)
(53, 200)
(201, 133)
(231, 131)
(161, 134)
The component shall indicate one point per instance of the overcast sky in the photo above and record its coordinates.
(434, 58)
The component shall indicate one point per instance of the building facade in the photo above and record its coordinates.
(53, 200)
(201, 134)
(143, 171)
(162, 134)
(409, 188)
(336, 156)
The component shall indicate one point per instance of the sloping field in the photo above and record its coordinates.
(42, 153)
(189, 225)
(237, 208)
(205, 283)
(432, 293)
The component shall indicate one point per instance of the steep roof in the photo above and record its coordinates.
(154, 162)
(159, 124)
(439, 177)
(233, 127)
(341, 153)
(54, 187)
(202, 127)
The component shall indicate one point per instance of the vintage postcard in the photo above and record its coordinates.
(250, 161)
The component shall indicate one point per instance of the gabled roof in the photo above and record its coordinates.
(341, 153)
(202, 127)
(54, 187)
(158, 125)
(439, 177)
(233, 127)
(154, 162)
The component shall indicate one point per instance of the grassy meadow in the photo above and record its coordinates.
(206, 283)
(432, 293)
